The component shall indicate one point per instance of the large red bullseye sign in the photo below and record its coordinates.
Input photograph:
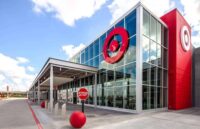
(113, 45)
(83, 93)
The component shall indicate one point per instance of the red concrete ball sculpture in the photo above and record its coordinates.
(77, 119)
(42, 104)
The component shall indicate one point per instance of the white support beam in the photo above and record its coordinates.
(139, 59)
(95, 90)
(51, 88)
(38, 92)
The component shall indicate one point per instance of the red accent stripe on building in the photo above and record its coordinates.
(35, 117)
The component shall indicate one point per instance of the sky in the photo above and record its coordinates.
(31, 31)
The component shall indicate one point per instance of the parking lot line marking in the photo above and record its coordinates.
(35, 117)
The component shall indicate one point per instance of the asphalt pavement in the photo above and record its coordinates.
(15, 114)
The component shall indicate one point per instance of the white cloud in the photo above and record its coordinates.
(22, 60)
(191, 13)
(119, 7)
(68, 11)
(14, 75)
(71, 50)
(30, 68)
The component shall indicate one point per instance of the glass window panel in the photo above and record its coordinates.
(145, 48)
(82, 57)
(131, 23)
(96, 62)
(159, 59)
(129, 97)
(146, 97)
(153, 75)
(102, 40)
(165, 97)
(119, 24)
(153, 53)
(130, 73)
(86, 54)
(110, 74)
(153, 29)
(146, 22)
(91, 51)
(96, 48)
(159, 97)
(165, 78)
(146, 73)
(119, 73)
(118, 97)
(109, 96)
(86, 81)
(158, 33)
(153, 97)
(164, 36)
(165, 58)
(130, 56)
(159, 77)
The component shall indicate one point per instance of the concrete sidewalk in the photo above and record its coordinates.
(106, 119)
(15, 114)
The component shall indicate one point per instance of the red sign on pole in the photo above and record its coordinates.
(83, 93)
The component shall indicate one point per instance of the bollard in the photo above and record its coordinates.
(63, 110)
(77, 119)
(56, 109)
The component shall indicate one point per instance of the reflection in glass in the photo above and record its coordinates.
(153, 75)
(146, 21)
(158, 33)
(130, 73)
(146, 97)
(153, 53)
(159, 97)
(145, 49)
(146, 73)
(102, 40)
(153, 97)
(129, 97)
(109, 96)
(131, 23)
(82, 57)
(86, 54)
(159, 77)
(130, 55)
(96, 61)
(110, 74)
(159, 60)
(119, 73)
(96, 47)
(91, 51)
(119, 97)
(119, 24)
(153, 29)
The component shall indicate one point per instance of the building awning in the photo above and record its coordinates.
(63, 71)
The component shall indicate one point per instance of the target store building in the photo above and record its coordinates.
(141, 62)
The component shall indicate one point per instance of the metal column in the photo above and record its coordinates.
(95, 90)
(51, 88)
(139, 59)
(38, 92)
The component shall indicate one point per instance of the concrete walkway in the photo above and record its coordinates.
(106, 119)
(15, 114)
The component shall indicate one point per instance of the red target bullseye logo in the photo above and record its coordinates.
(113, 45)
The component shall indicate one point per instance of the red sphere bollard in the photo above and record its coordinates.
(77, 119)
(42, 104)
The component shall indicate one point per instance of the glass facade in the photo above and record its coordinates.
(154, 51)
(116, 83)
